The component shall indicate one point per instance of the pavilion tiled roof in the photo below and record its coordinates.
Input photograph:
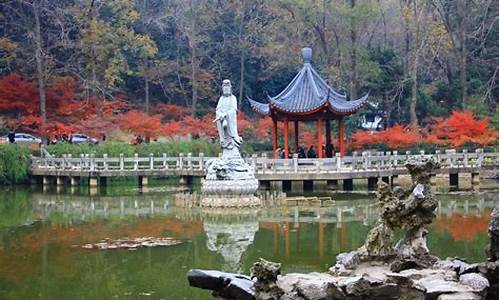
(306, 93)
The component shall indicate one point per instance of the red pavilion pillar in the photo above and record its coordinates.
(328, 133)
(319, 145)
(341, 136)
(285, 137)
(275, 138)
(296, 129)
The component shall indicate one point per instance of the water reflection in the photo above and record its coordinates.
(39, 232)
(229, 233)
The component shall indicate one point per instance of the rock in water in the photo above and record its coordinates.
(492, 251)
(266, 273)
(225, 285)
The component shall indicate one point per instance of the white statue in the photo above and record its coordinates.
(226, 118)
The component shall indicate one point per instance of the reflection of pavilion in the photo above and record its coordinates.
(230, 235)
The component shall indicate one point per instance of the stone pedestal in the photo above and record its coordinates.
(230, 182)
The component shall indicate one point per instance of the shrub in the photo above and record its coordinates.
(113, 149)
(14, 163)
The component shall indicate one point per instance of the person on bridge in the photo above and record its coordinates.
(301, 153)
(311, 153)
(329, 150)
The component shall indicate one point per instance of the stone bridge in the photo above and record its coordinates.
(286, 174)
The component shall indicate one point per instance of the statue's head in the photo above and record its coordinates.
(226, 87)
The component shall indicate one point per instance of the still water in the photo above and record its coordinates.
(41, 234)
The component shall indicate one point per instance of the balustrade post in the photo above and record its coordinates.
(295, 162)
(264, 162)
(202, 162)
(189, 160)
(339, 160)
(465, 160)
(365, 160)
(122, 162)
(480, 157)
(180, 162)
(165, 164)
(438, 156)
(87, 161)
(70, 161)
(254, 163)
(64, 157)
(151, 162)
(82, 162)
(136, 161)
(92, 162)
(395, 161)
(105, 161)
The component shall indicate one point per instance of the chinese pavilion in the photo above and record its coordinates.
(308, 98)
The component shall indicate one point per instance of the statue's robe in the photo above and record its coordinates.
(226, 116)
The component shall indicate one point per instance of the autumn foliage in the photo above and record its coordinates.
(461, 128)
(70, 109)
(455, 131)
(396, 137)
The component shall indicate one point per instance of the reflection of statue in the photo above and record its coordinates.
(230, 236)
(225, 118)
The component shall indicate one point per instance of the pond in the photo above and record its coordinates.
(41, 234)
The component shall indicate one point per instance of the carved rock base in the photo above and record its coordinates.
(242, 187)
(215, 201)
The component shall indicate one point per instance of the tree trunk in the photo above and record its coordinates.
(242, 54)
(194, 89)
(146, 86)
(242, 77)
(354, 74)
(414, 87)
(463, 52)
(40, 64)
(194, 62)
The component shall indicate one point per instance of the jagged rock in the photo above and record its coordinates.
(404, 263)
(410, 210)
(349, 259)
(334, 292)
(355, 286)
(384, 291)
(459, 296)
(490, 271)
(225, 285)
(265, 270)
(475, 281)
(266, 273)
(455, 264)
(492, 250)
(312, 290)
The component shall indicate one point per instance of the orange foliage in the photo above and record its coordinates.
(396, 137)
(170, 111)
(141, 123)
(18, 95)
(263, 128)
(307, 138)
(461, 128)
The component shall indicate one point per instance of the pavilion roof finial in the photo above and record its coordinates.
(307, 55)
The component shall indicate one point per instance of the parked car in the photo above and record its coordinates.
(25, 138)
(79, 138)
